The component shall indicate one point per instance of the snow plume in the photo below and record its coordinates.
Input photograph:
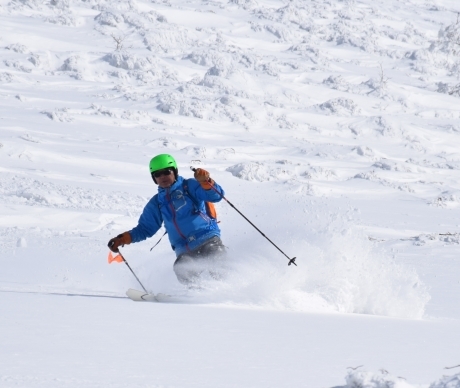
(353, 275)
(339, 270)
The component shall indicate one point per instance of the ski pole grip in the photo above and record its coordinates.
(194, 170)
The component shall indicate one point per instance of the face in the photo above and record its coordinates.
(165, 180)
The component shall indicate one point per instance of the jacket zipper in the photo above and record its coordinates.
(173, 211)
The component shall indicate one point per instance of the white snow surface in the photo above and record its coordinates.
(334, 126)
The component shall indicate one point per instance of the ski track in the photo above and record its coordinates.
(334, 126)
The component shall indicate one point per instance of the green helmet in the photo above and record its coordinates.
(162, 161)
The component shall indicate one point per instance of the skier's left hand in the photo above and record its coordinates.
(202, 176)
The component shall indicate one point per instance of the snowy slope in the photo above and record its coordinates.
(333, 125)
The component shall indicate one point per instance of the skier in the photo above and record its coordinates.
(181, 205)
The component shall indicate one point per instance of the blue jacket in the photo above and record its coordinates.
(185, 220)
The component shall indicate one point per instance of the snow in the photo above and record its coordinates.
(333, 126)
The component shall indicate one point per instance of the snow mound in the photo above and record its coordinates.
(131, 62)
(17, 48)
(281, 170)
(364, 379)
(253, 171)
(383, 379)
(168, 39)
(340, 107)
(445, 238)
(447, 382)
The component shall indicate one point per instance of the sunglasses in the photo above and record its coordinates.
(165, 172)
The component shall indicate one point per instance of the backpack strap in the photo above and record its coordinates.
(187, 193)
(210, 211)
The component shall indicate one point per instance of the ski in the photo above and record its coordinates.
(69, 293)
(142, 296)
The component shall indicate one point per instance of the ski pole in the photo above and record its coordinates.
(291, 261)
(124, 260)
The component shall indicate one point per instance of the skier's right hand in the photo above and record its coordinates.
(120, 240)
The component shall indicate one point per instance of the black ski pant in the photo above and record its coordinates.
(207, 258)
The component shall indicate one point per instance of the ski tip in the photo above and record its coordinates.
(140, 296)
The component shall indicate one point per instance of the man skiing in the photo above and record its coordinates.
(181, 205)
